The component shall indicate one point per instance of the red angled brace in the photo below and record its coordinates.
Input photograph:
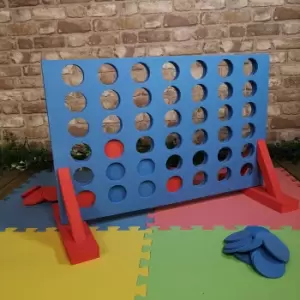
(39, 194)
(271, 194)
(76, 236)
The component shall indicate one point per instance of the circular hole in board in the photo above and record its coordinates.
(174, 184)
(199, 178)
(83, 175)
(113, 149)
(170, 71)
(144, 144)
(173, 140)
(199, 93)
(225, 134)
(250, 67)
(225, 68)
(146, 167)
(198, 69)
(117, 193)
(111, 124)
(109, 99)
(107, 74)
(249, 109)
(172, 118)
(247, 150)
(86, 199)
(75, 102)
(246, 169)
(146, 189)
(199, 115)
(225, 113)
(139, 72)
(199, 137)
(248, 130)
(223, 174)
(81, 151)
(115, 171)
(174, 162)
(199, 158)
(78, 127)
(249, 89)
(72, 75)
(225, 91)
(224, 154)
(143, 121)
(171, 95)
(141, 97)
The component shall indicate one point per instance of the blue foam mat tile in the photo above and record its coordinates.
(150, 220)
(14, 214)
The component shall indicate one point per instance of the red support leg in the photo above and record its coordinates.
(271, 194)
(77, 237)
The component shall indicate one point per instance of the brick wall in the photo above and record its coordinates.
(61, 29)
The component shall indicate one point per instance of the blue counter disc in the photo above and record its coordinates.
(266, 265)
(237, 236)
(234, 246)
(275, 246)
(256, 229)
(243, 257)
(255, 243)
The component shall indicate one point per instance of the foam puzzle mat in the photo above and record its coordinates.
(237, 209)
(188, 264)
(136, 262)
(14, 214)
(231, 210)
(34, 266)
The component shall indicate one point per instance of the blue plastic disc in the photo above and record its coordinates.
(256, 229)
(237, 236)
(266, 265)
(255, 243)
(243, 257)
(275, 246)
(234, 246)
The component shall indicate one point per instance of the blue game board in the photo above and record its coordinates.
(134, 181)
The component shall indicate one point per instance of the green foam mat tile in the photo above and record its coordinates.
(190, 265)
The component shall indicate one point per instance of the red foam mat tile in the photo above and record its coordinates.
(230, 210)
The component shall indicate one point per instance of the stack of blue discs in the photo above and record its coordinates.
(259, 248)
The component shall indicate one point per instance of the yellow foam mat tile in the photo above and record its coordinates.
(34, 266)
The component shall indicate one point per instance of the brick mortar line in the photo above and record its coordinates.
(89, 33)
(250, 9)
(120, 2)
(158, 29)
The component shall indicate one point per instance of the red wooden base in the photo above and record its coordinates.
(271, 194)
(283, 203)
(85, 250)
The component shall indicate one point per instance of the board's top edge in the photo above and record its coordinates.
(141, 58)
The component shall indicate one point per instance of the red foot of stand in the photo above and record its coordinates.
(271, 194)
(77, 252)
(39, 194)
(77, 237)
